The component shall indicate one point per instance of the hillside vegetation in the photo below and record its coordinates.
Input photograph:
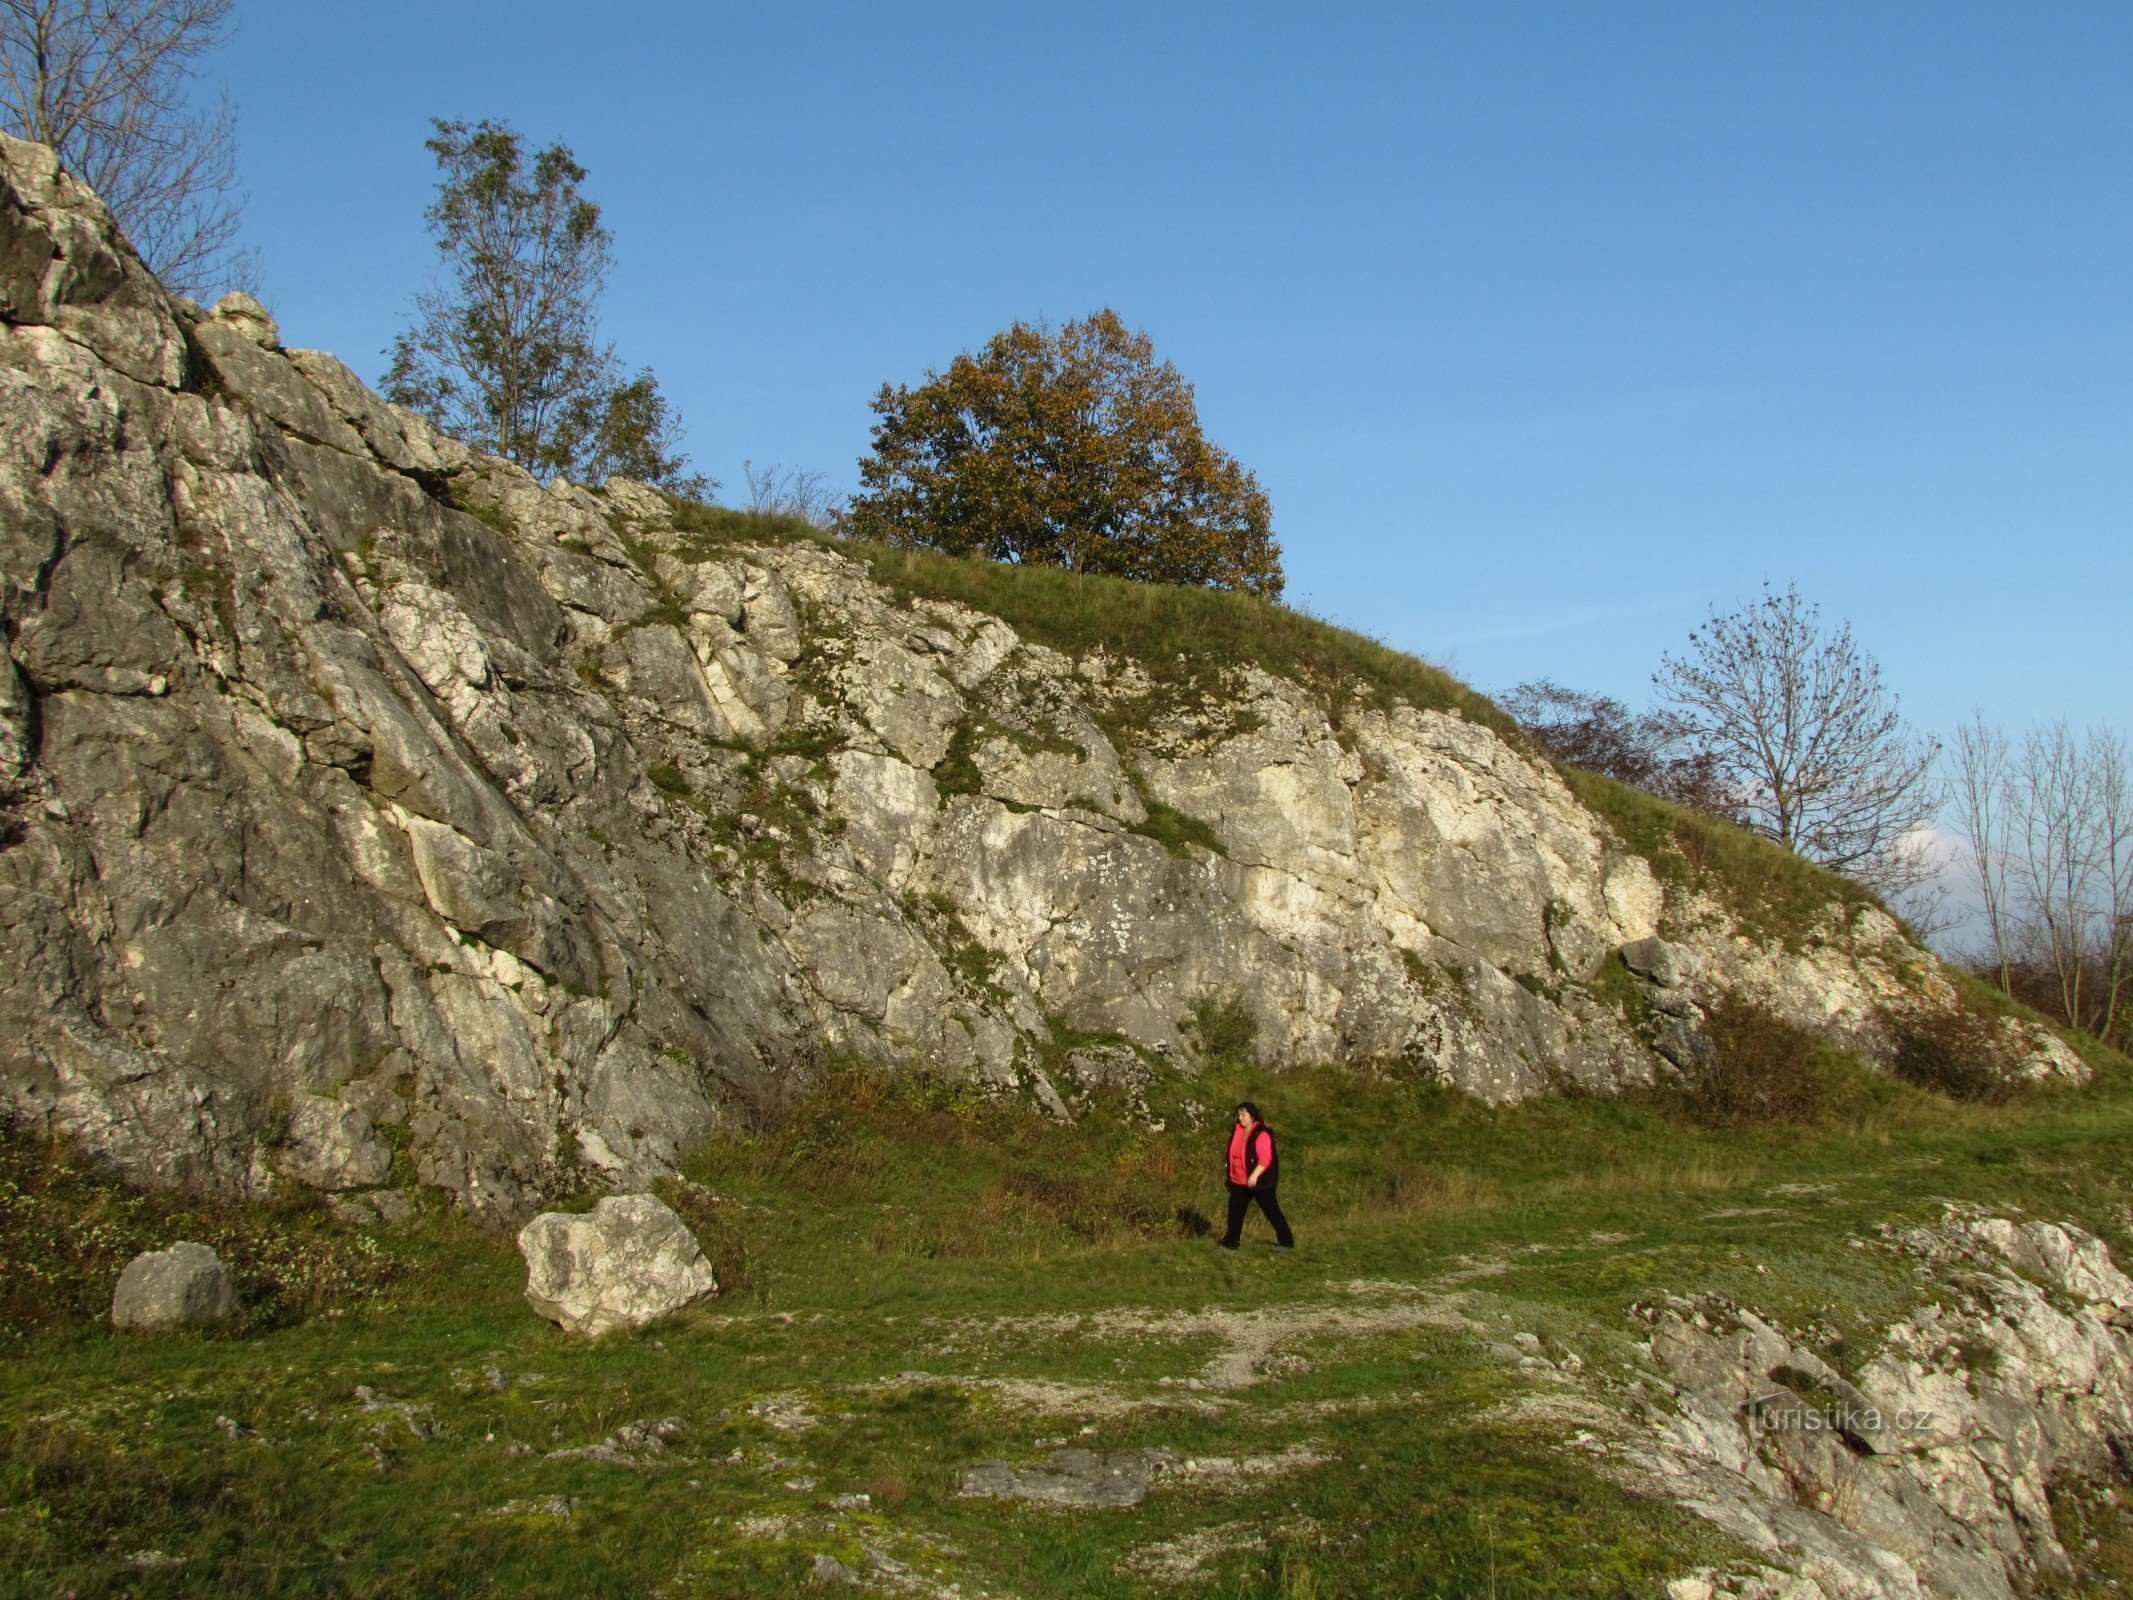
(918, 1281)
(1184, 635)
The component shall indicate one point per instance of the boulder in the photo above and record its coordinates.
(628, 1260)
(248, 317)
(333, 1146)
(183, 1287)
(1668, 965)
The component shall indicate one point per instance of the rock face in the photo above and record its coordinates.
(627, 1261)
(1925, 1473)
(356, 782)
(185, 1286)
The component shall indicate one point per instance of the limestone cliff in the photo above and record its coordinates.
(355, 781)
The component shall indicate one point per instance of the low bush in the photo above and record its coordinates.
(1225, 1027)
(67, 1230)
(1759, 1068)
(1958, 1053)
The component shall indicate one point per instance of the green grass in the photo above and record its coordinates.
(1179, 633)
(1772, 892)
(896, 1227)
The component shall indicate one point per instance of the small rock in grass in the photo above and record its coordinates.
(828, 1569)
(1071, 1478)
(628, 1260)
(182, 1287)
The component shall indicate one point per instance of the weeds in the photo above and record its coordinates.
(1171, 828)
(67, 1230)
(1760, 1068)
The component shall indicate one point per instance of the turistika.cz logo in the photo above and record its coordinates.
(1784, 1412)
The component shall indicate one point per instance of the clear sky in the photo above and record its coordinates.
(1544, 326)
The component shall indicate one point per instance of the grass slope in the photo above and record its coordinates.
(898, 1257)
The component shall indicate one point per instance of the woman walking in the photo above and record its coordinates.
(1253, 1169)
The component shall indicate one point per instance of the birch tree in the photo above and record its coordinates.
(109, 85)
(1805, 739)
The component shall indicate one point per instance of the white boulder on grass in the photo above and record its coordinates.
(182, 1287)
(626, 1261)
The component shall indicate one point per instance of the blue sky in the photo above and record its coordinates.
(1544, 326)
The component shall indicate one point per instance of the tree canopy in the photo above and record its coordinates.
(1071, 447)
(505, 350)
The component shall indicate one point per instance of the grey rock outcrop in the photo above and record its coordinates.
(1069, 1478)
(626, 1262)
(185, 1286)
(350, 771)
(1925, 1474)
(1667, 965)
(333, 1145)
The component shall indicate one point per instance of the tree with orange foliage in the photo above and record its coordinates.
(1072, 448)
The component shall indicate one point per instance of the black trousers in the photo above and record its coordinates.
(1241, 1196)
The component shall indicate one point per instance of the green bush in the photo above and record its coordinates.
(1958, 1053)
(1759, 1068)
(1225, 1027)
(67, 1229)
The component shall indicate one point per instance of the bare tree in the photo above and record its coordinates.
(1644, 749)
(773, 491)
(107, 84)
(1978, 791)
(2113, 791)
(2055, 863)
(2050, 832)
(1806, 740)
(2072, 801)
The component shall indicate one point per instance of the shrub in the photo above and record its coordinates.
(67, 1229)
(1760, 1068)
(1225, 1026)
(1958, 1053)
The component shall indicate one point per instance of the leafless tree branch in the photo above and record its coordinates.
(1806, 740)
(107, 84)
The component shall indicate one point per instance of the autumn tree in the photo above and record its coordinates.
(108, 85)
(1070, 447)
(1649, 750)
(505, 351)
(1805, 739)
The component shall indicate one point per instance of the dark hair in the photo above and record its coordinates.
(1246, 1105)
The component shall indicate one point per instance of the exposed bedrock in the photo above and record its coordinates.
(377, 817)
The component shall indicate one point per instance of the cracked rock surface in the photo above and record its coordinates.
(378, 818)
